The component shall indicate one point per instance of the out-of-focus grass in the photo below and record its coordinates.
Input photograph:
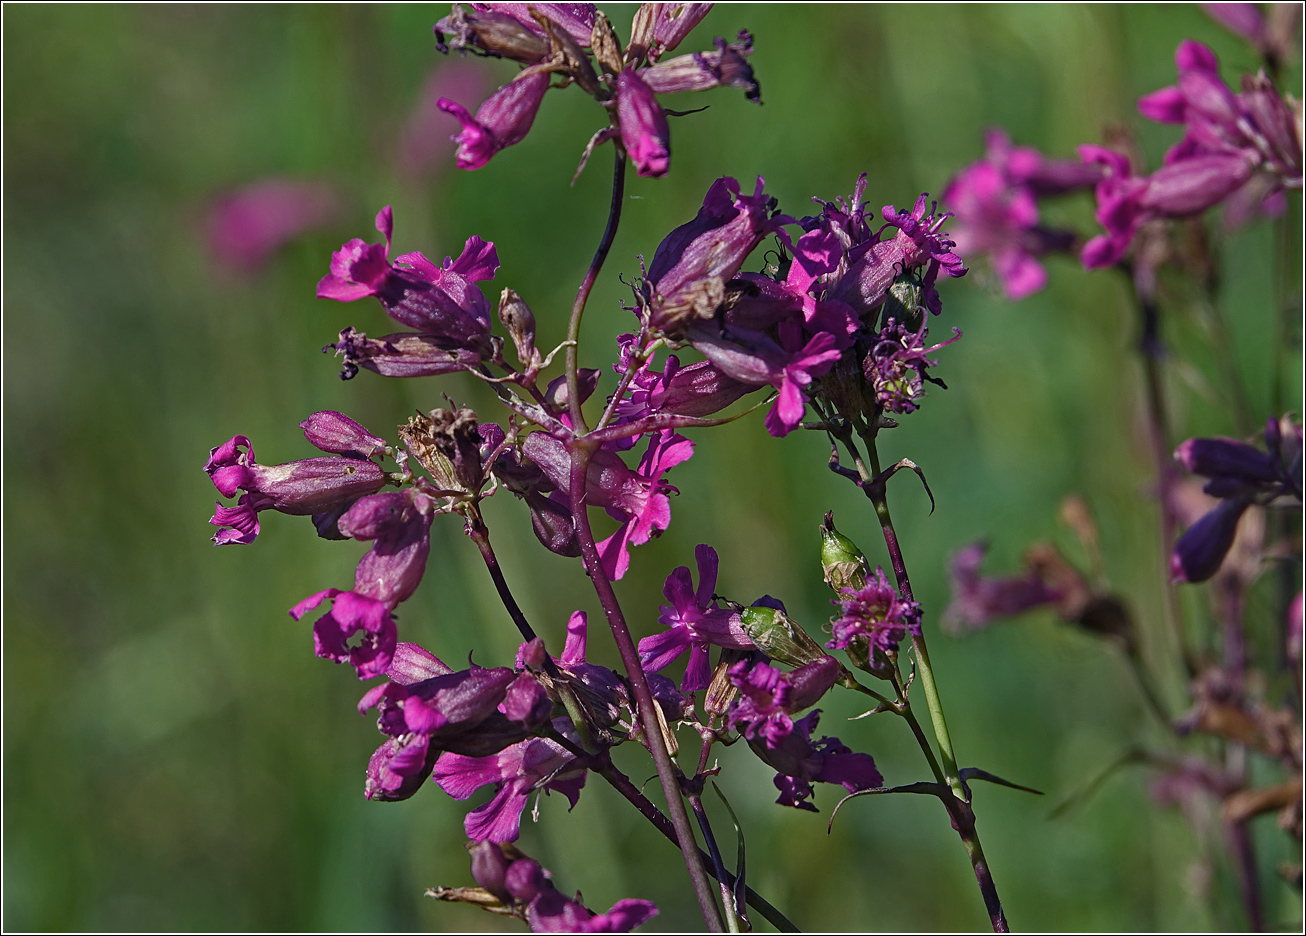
(175, 757)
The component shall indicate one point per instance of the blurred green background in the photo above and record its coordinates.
(174, 755)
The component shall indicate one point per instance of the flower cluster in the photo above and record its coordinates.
(995, 204)
(1240, 149)
(577, 42)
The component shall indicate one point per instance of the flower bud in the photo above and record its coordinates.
(518, 319)
(338, 434)
(644, 130)
(844, 564)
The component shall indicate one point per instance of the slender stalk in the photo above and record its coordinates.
(623, 785)
(1158, 431)
(959, 809)
(639, 687)
(727, 898)
(587, 284)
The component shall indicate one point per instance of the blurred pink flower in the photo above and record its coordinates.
(246, 225)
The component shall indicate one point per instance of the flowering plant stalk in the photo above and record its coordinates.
(825, 320)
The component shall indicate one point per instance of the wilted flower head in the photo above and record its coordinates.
(876, 612)
(768, 696)
(896, 365)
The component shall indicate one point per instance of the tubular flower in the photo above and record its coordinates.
(308, 486)
(767, 696)
(450, 313)
(518, 770)
(1240, 475)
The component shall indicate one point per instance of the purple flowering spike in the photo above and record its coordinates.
(977, 600)
(352, 614)
(504, 119)
(876, 612)
(338, 434)
(518, 770)
(799, 763)
(695, 622)
(644, 130)
(768, 696)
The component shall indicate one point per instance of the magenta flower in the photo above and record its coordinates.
(695, 621)
(644, 130)
(1233, 144)
(919, 242)
(399, 524)
(977, 600)
(800, 762)
(997, 218)
(1026, 167)
(502, 120)
(441, 302)
(424, 142)
(248, 225)
(753, 357)
(517, 771)
(307, 486)
(768, 696)
(636, 499)
(692, 265)
(875, 612)
(521, 882)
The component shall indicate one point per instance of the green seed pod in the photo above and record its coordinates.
(778, 637)
(843, 562)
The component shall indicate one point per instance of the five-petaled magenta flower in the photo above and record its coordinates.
(518, 770)
(441, 302)
(875, 611)
(695, 622)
